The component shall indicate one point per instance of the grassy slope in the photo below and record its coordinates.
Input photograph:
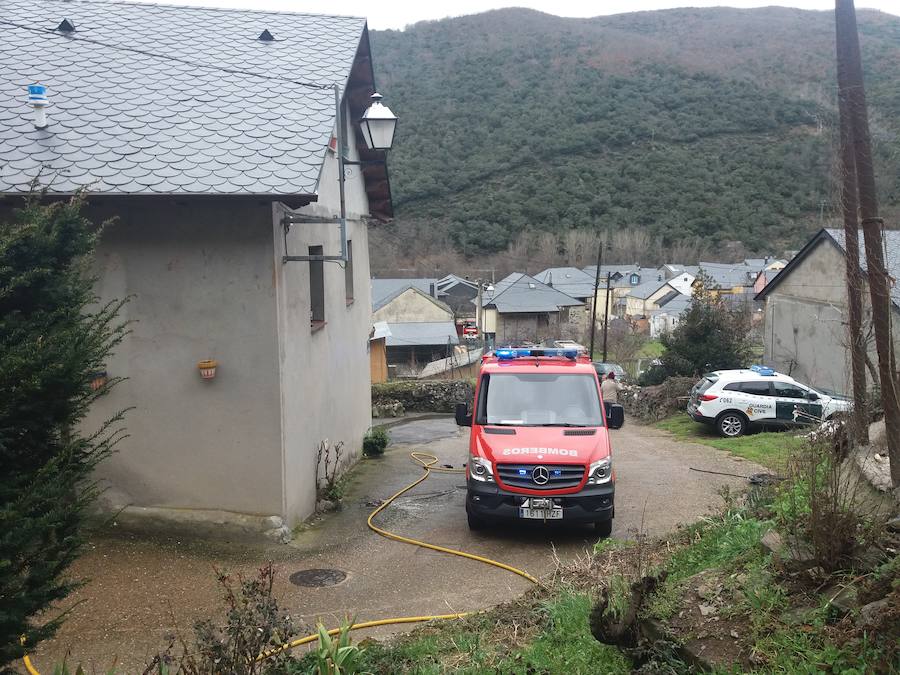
(525, 636)
(713, 123)
(770, 449)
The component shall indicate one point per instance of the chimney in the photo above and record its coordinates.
(432, 291)
(37, 99)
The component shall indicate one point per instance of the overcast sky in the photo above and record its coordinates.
(391, 14)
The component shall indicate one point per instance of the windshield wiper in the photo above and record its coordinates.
(559, 424)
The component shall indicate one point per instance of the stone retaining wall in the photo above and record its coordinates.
(393, 399)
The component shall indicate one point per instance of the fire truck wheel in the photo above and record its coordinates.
(604, 528)
(475, 523)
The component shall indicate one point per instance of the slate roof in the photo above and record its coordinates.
(158, 99)
(729, 275)
(520, 293)
(674, 305)
(451, 281)
(648, 288)
(836, 236)
(625, 271)
(422, 333)
(569, 280)
(385, 290)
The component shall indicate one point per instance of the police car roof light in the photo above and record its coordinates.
(763, 370)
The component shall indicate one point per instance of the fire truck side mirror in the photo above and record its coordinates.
(463, 417)
(615, 416)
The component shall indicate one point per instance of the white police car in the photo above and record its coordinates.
(736, 400)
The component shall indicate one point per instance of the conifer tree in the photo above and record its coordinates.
(54, 338)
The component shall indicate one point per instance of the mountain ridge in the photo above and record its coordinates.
(716, 124)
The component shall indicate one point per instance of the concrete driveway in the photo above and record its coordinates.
(139, 590)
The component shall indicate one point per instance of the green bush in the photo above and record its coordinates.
(655, 374)
(374, 442)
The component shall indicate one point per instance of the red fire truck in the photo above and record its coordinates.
(539, 449)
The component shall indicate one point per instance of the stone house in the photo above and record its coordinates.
(521, 309)
(805, 311)
(208, 135)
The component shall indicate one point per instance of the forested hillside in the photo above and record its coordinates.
(706, 124)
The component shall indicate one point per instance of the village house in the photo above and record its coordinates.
(421, 328)
(668, 315)
(579, 285)
(209, 135)
(650, 296)
(521, 309)
(458, 293)
(622, 278)
(806, 333)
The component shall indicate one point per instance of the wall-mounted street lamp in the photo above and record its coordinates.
(377, 125)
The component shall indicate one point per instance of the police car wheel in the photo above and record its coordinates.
(731, 424)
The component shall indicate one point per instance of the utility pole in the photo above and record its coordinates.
(606, 316)
(479, 321)
(848, 53)
(594, 300)
(850, 208)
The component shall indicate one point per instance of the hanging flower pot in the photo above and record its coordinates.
(98, 379)
(208, 368)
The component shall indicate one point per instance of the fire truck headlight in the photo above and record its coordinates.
(480, 470)
(600, 472)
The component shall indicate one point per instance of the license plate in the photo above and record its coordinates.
(541, 514)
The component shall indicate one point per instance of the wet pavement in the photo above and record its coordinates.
(140, 590)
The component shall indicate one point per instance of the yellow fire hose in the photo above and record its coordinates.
(427, 462)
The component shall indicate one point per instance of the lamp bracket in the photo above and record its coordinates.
(289, 219)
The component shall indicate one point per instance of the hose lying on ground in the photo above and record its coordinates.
(427, 461)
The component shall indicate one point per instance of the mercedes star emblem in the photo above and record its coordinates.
(540, 475)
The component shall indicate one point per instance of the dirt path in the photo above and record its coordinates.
(140, 590)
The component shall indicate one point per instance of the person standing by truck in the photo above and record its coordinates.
(609, 389)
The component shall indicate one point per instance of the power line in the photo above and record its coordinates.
(166, 57)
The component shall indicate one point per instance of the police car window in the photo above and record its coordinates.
(755, 388)
(734, 386)
(786, 390)
(539, 399)
(705, 384)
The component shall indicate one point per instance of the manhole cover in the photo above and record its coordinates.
(317, 577)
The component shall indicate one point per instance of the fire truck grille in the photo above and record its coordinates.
(541, 476)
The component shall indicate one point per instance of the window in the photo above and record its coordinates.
(785, 390)
(704, 384)
(756, 388)
(348, 272)
(635, 279)
(316, 288)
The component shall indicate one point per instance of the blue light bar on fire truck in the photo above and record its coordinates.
(507, 354)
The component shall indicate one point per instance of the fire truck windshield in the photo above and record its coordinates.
(539, 400)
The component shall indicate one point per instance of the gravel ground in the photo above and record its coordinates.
(140, 590)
